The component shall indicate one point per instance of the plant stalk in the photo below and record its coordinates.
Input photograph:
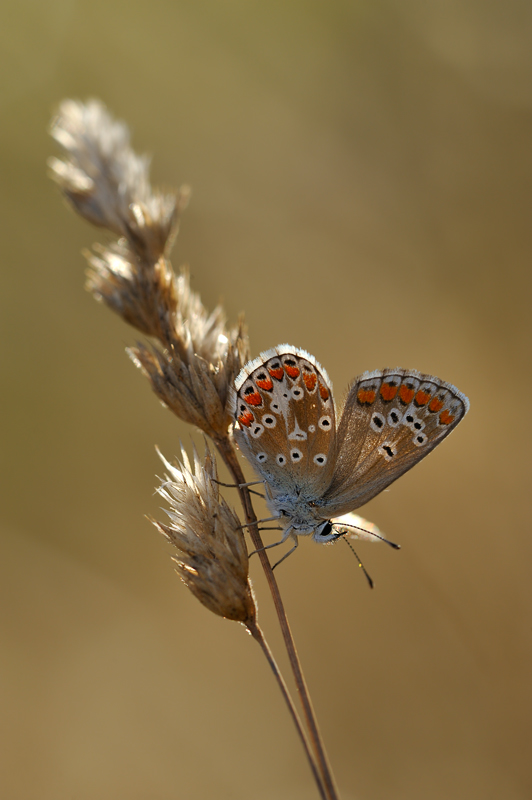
(257, 634)
(228, 454)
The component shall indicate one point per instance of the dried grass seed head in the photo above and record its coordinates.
(212, 557)
(108, 183)
(142, 294)
(198, 357)
(193, 375)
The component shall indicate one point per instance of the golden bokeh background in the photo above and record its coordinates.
(362, 183)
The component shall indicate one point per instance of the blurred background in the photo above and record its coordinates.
(362, 179)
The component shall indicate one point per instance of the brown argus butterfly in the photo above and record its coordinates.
(315, 469)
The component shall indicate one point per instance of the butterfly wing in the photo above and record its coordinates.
(285, 420)
(391, 420)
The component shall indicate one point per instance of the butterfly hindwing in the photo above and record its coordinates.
(391, 420)
(284, 408)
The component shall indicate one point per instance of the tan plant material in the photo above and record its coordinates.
(108, 183)
(212, 558)
(196, 355)
(191, 362)
(193, 376)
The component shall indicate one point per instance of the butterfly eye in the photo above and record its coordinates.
(320, 459)
(281, 460)
(296, 455)
(269, 421)
(325, 423)
(262, 457)
(297, 393)
(326, 529)
(420, 439)
(257, 431)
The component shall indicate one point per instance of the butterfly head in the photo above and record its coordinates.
(326, 532)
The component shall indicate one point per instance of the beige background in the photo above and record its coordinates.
(362, 182)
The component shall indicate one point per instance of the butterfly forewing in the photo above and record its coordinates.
(390, 421)
(286, 420)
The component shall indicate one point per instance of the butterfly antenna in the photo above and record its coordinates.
(371, 533)
(360, 564)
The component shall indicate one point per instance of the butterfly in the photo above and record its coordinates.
(317, 466)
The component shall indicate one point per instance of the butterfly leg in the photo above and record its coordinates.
(296, 540)
(286, 534)
(266, 547)
(240, 486)
(259, 522)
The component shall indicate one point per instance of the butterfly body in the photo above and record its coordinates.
(316, 468)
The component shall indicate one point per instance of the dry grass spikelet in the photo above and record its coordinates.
(108, 183)
(194, 387)
(212, 558)
(197, 356)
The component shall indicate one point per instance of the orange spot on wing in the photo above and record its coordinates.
(406, 394)
(366, 396)
(310, 380)
(253, 399)
(246, 418)
(388, 391)
(422, 398)
(446, 418)
(435, 405)
(276, 372)
(324, 392)
(266, 384)
(292, 372)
